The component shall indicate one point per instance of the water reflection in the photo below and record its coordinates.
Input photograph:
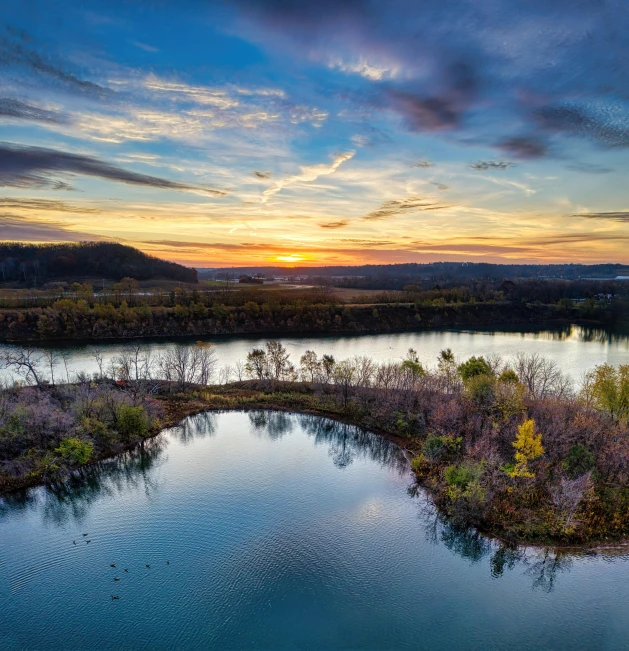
(72, 500)
(137, 470)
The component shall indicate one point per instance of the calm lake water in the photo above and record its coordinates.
(282, 532)
(574, 348)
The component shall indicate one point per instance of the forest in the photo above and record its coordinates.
(508, 446)
(33, 265)
(124, 311)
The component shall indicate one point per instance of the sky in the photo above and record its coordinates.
(266, 132)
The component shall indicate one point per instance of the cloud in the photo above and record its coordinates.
(524, 147)
(13, 108)
(338, 224)
(15, 228)
(47, 205)
(402, 207)
(484, 165)
(36, 167)
(477, 67)
(308, 174)
(606, 123)
(619, 216)
(16, 53)
(588, 168)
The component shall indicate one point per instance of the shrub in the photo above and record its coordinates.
(509, 376)
(579, 461)
(481, 389)
(433, 448)
(74, 451)
(132, 421)
(473, 367)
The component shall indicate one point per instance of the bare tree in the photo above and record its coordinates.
(98, 357)
(52, 359)
(26, 362)
(568, 495)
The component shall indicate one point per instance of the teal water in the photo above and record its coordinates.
(282, 531)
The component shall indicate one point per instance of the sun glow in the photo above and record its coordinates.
(293, 257)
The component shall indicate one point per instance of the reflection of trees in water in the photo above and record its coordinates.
(274, 424)
(542, 565)
(348, 442)
(195, 427)
(71, 500)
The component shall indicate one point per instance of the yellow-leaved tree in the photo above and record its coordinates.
(528, 446)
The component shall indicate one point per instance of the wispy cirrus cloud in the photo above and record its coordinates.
(308, 174)
(616, 216)
(14, 108)
(404, 206)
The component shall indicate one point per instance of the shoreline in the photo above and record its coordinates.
(200, 398)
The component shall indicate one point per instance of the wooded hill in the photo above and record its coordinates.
(35, 264)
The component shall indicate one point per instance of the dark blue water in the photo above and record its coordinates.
(281, 532)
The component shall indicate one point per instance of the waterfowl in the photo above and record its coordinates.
(147, 565)
(116, 579)
(74, 542)
(86, 534)
(88, 541)
(112, 565)
(125, 569)
(167, 562)
(114, 597)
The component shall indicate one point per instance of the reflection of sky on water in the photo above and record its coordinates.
(267, 517)
(574, 348)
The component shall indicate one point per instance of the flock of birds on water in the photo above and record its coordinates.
(126, 569)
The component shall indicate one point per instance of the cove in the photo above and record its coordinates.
(273, 530)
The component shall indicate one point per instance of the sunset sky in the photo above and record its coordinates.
(265, 132)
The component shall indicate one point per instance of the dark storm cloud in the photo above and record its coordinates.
(402, 207)
(13, 108)
(490, 67)
(33, 167)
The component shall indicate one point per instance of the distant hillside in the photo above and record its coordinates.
(38, 263)
(435, 271)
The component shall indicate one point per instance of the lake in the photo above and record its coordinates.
(267, 530)
(574, 348)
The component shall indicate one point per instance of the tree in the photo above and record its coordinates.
(474, 367)
(607, 389)
(327, 366)
(278, 361)
(528, 446)
(310, 366)
(74, 451)
(25, 362)
(256, 365)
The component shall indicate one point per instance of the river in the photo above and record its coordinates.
(574, 348)
(267, 530)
